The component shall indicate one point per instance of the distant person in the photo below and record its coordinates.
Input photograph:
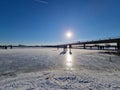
(11, 47)
(5, 47)
(64, 49)
(70, 46)
(57, 47)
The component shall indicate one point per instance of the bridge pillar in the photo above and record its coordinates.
(98, 47)
(90, 47)
(115, 47)
(103, 47)
(118, 45)
(84, 46)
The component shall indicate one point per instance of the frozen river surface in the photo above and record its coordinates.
(49, 68)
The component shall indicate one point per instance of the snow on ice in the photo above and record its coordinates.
(46, 69)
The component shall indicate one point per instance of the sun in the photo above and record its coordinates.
(69, 34)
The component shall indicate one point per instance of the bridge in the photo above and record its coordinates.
(95, 43)
(100, 44)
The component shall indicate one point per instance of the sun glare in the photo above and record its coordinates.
(69, 59)
(69, 34)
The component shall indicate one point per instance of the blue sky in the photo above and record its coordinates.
(47, 21)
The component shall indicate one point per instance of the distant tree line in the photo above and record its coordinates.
(6, 46)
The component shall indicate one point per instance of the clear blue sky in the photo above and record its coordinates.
(46, 21)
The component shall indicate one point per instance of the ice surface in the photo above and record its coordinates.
(47, 69)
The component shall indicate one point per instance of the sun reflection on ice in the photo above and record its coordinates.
(69, 61)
